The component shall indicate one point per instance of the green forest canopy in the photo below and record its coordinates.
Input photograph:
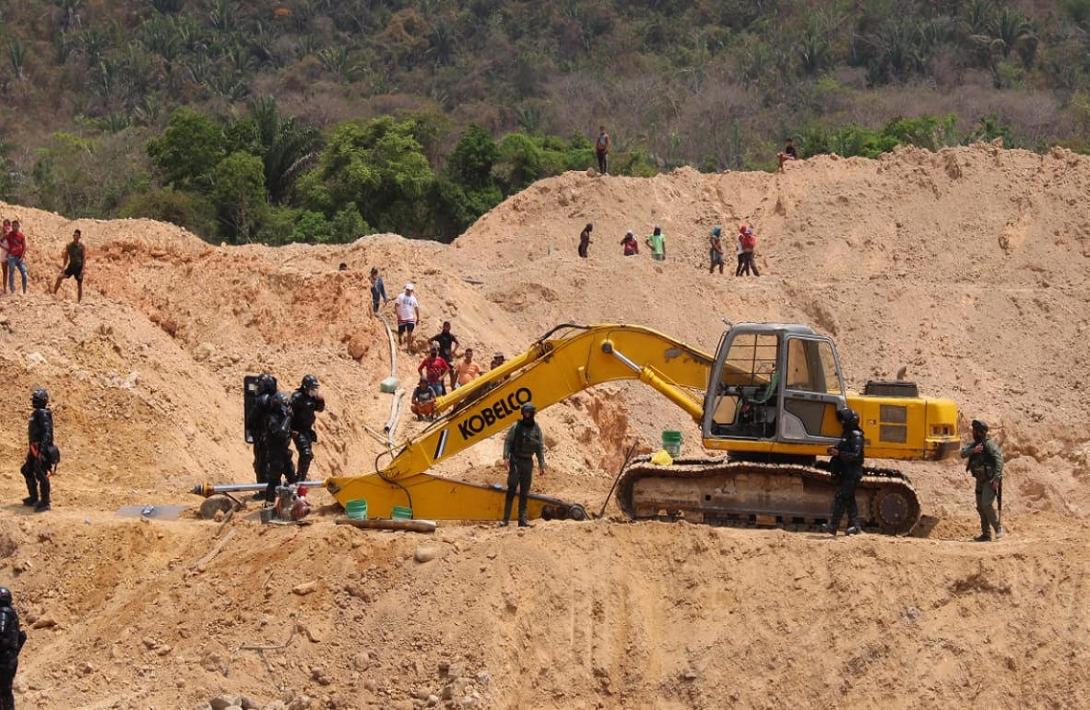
(322, 120)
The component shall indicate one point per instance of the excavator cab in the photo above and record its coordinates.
(773, 383)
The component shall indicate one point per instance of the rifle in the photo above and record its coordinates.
(999, 499)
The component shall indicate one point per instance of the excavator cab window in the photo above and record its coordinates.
(747, 393)
(813, 390)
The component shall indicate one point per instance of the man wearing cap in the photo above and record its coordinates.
(986, 464)
(408, 314)
(523, 442)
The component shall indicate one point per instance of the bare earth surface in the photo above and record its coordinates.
(967, 267)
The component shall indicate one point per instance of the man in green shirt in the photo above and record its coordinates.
(72, 265)
(657, 242)
(523, 442)
(986, 464)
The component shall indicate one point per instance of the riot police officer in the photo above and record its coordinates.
(305, 401)
(523, 442)
(40, 452)
(266, 387)
(12, 639)
(847, 467)
(985, 463)
(277, 432)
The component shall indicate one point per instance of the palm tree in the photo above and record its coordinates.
(288, 146)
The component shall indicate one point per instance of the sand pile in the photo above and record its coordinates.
(967, 267)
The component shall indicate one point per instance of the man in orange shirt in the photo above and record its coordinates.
(467, 370)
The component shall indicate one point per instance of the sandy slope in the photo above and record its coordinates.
(969, 267)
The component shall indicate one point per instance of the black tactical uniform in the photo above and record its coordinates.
(987, 468)
(305, 401)
(266, 387)
(39, 458)
(847, 466)
(278, 442)
(524, 441)
(12, 639)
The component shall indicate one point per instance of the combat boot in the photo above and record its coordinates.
(983, 537)
(524, 523)
(42, 506)
(30, 501)
(999, 533)
(854, 529)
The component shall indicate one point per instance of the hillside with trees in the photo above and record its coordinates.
(321, 120)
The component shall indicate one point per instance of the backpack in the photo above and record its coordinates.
(749, 241)
(278, 418)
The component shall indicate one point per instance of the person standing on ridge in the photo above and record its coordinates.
(305, 401)
(378, 290)
(408, 314)
(16, 254)
(601, 149)
(629, 245)
(748, 241)
(41, 453)
(789, 153)
(985, 463)
(448, 347)
(584, 240)
(847, 468)
(715, 249)
(657, 242)
(523, 442)
(12, 638)
(72, 261)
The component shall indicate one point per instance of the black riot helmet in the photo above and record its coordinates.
(39, 398)
(5, 596)
(309, 382)
(848, 417)
(266, 384)
(529, 409)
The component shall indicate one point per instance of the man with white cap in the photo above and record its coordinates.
(408, 314)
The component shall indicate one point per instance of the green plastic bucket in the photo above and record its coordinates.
(671, 441)
(356, 509)
(402, 513)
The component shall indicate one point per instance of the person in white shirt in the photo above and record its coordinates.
(408, 314)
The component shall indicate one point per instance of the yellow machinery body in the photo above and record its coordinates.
(572, 358)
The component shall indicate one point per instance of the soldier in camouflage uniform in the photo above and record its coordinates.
(986, 464)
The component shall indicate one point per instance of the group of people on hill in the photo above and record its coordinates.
(443, 363)
(13, 253)
(745, 247)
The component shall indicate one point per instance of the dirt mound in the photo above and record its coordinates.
(967, 267)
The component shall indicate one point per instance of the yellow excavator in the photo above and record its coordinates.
(768, 398)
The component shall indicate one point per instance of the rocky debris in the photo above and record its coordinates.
(305, 588)
(425, 553)
(358, 346)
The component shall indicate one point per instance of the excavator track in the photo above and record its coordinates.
(749, 494)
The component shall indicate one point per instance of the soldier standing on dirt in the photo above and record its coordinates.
(278, 421)
(986, 464)
(12, 639)
(305, 401)
(266, 387)
(41, 453)
(523, 442)
(847, 467)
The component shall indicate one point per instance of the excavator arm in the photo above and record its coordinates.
(567, 360)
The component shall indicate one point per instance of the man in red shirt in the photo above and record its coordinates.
(435, 367)
(16, 250)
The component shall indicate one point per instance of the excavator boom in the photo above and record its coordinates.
(565, 361)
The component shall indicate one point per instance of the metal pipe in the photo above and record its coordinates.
(211, 489)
